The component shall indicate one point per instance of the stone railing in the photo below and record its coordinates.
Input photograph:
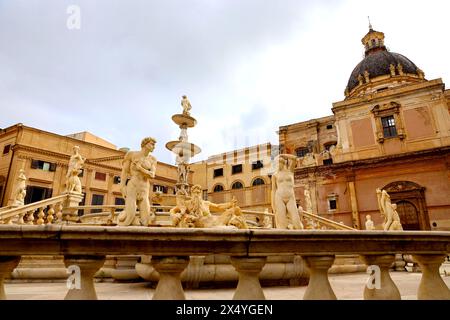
(85, 247)
(321, 221)
(46, 211)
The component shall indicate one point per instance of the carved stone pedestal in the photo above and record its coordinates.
(88, 266)
(169, 285)
(249, 287)
(7, 265)
(431, 286)
(319, 287)
(388, 290)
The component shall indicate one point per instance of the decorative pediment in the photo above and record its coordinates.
(398, 186)
(386, 109)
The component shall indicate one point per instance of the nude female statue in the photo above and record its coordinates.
(389, 211)
(283, 196)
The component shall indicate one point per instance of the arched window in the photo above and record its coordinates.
(218, 188)
(258, 182)
(301, 152)
(237, 185)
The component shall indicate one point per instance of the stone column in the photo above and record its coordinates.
(83, 281)
(7, 265)
(169, 285)
(388, 290)
(354, 202)
(319, 287)
(248, 287)
(431, 286)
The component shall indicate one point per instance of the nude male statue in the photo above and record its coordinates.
(283, 197)
(139, 167)
(389, 211)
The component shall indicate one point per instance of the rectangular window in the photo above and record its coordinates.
(329, 126)
(6, 149)
(333, 204)
(301, 152)
(218, 172)
(100, 176)
(327, 162)
(257, 165)
(158, 188)
(97, 200)
(388, 124)
(82, 203)
(119, 201)
(116, 179)
(43, 165)
(236, 169)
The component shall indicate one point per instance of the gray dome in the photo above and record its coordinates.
(377, 64)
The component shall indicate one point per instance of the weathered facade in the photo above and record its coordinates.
(391, 131)
(44, 156)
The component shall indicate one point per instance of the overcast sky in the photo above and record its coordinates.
(247, 66)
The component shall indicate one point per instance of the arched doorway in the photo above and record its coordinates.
(409, 216)
(411, 204)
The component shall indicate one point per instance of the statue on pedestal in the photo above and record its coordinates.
(284, 205)
(76, 162)
(138, 168)
(388, 211)
(186, 104)
(308, 202)
(20, 189)
(369, 223)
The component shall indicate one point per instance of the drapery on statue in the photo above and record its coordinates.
(75, 165)
(194, 212)
(308, 202)
(139, 167)
(186, 104)
(283, 197)
(388, 211)
(20, 189)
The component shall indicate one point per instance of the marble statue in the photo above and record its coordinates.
(360, 79)
(186, 104)
(194, 212)
(308, 202)
(75, 165)
(388, 211)
(138, 168)
(392, 69)
(21, 189)
(183, 169)
(284, 205)
(309, 160)
(400, 69)
(366, 76)
(369, 223)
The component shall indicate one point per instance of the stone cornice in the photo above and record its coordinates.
(388, 94)
(350, 166)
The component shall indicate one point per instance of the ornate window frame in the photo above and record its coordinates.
(389, 109)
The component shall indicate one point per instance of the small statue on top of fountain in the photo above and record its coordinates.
(186, 105)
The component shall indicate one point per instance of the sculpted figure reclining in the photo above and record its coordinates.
(194, 212)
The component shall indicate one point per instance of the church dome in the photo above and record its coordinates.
(380, 67)
(378, 64)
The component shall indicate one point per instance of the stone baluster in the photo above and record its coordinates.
(249, 287)
(7, 265)
(21, 216)
(169, 285)
(59, 213)
(30, 217)
(319, 287)
(41, 216)
(50, 213)
(431, 286)
(83, 281)
(387, 288)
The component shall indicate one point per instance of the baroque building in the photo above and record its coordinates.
(392, 131)
(44, 156)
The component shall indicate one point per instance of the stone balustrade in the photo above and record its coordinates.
(171, 249)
